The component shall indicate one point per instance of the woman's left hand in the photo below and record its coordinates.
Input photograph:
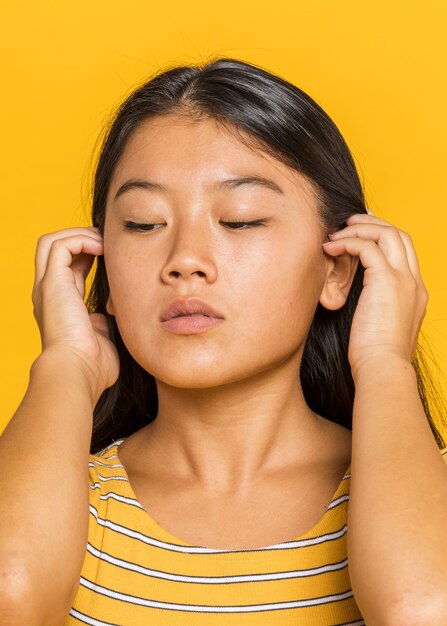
(393, 301)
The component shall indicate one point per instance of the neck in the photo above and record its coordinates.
(225, 438)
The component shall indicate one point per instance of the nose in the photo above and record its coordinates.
(190, 256)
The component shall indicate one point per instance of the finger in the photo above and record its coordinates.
(81, 266)
(60, 257)
(387, 238)
(44, 246)
(413, 262)
(366, 217)
(412, 257)
(367, 250)
(63, 254)
(63, 251)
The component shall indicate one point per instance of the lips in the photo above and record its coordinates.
(180, 307)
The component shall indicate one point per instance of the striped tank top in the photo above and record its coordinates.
(135, 573)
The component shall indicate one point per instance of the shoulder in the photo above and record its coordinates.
(107, 457)
(335, 443)
(105, 470)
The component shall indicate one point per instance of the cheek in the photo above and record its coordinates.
(282, 292)
(129, 284)
(125, 267)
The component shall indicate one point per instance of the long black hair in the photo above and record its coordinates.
(282, 120)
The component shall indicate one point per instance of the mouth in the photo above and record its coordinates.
(192, 307)
(190, 315)
(191, 323)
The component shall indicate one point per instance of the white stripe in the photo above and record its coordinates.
(133, 502)
(111, 445)
(104, 450)
(86, 619)
(249, 608)
(200, 550)
(338, 501)
(95, 463)
(243, 578)
(108, 464)
(116, 496)
(106, 478)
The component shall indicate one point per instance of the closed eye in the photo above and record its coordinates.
(232, 225)
(135, 226)
(236, 225)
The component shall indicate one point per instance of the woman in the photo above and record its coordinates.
(234, 251)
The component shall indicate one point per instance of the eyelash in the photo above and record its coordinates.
(144, 227)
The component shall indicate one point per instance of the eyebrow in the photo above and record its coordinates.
(230, 183)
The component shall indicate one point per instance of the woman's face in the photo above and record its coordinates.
(265, 280)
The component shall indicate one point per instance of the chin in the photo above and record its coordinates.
(201, 368)
(194, 379)
(198, 375)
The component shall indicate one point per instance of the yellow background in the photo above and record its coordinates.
(377, 68)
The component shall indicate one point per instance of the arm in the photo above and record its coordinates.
(397, 514)
(44, 450)
(44, 454)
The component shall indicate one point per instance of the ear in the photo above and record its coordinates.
(340, 272)
(109, 306)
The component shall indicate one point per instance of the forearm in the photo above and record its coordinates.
(397, 515)
(44, 488)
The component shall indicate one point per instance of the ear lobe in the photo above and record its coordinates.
(109, 306)
(339, 277)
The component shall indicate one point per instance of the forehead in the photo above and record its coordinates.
(175, 147)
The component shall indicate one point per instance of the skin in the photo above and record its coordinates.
(234, 387)
(235, 458)
(234, 443)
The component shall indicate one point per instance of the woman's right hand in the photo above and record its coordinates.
(63, 261)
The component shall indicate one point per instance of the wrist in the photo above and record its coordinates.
(381, 367)
(67, 368)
